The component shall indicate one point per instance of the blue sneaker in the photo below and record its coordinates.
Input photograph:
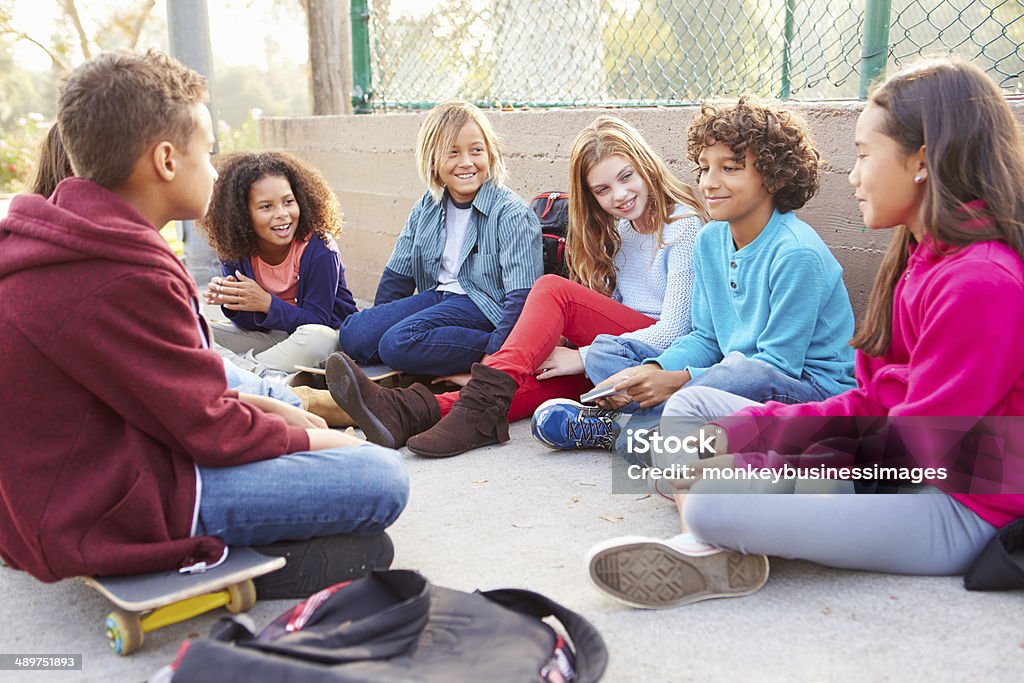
(563, 424)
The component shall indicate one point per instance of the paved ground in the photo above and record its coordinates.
(519, 515)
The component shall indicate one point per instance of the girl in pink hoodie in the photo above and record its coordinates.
(940, 378)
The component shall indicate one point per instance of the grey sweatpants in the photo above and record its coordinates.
(927, 532)
(307, 346)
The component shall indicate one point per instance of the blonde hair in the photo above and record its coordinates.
(592, 240)
(437, 135)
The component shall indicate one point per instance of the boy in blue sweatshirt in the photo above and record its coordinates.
(771, 315)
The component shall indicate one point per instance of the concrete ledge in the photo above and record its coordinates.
(370, 162)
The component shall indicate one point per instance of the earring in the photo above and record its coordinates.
(919, 179)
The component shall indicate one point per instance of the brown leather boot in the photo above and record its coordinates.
(320, 402)
(478, 418)
(387, 416)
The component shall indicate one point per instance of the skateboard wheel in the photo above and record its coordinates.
(242, 597)
(124, 632)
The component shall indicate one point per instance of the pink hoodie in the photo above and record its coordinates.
(958, 322)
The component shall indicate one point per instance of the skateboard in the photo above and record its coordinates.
(376, 373)
(146, 602)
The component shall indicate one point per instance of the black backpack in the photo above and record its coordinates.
(552, 208)
(395, 626)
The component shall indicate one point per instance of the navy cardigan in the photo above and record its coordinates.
(323, 298)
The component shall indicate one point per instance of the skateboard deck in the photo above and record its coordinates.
(144, 592)
(376, 372)
(147, 602)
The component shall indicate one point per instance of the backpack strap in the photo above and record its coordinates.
(591, 653)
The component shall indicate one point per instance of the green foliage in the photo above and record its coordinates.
(240, 138)
(19, 145)
(22, 91)
(237, 90)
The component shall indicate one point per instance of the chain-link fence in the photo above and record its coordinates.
(646, 52)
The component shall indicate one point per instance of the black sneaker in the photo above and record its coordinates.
(320, 562)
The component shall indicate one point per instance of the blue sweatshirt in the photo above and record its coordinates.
(322, 296)
(780, 299)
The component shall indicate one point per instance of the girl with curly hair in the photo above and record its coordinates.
(632, 226)
(272, 222)
(771, 315)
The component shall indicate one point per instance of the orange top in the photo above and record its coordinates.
(281, 280)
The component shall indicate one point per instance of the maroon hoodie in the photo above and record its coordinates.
(111, 399)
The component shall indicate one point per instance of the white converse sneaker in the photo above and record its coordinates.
(651, 573)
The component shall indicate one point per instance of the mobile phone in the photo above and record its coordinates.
(599, 392)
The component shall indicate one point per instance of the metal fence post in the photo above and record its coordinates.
(362, 84)
(876, 43)
(188, 29)
(787, 46)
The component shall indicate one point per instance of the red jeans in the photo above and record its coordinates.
(555, 308)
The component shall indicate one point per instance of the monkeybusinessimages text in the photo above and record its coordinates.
(643, 441)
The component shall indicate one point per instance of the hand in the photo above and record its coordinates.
(461, 379)
(210, 296)
(614, 402)
(239, 293)
(562, 361)
(654, 386)
(648, 384)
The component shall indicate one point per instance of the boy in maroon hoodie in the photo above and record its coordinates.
(126, 452)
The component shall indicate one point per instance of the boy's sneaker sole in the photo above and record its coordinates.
(321, 562)
(652, 574)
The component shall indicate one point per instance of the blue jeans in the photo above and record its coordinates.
(609, 354)
(757, 381)
(430, 333)
(355, 490)
(736, 374)
(251, 383)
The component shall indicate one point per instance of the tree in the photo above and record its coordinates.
(330, 55)
(123, 28)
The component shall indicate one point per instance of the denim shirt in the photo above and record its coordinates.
(502, 251)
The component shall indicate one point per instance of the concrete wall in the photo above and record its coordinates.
(370, 162)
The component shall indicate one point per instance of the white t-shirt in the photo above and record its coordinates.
(456, 225)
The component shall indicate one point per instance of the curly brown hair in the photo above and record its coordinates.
(227, 223)
(784, 153)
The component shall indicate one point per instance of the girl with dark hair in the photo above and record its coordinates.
(940, 160)
(273, 221)
(54, 165)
